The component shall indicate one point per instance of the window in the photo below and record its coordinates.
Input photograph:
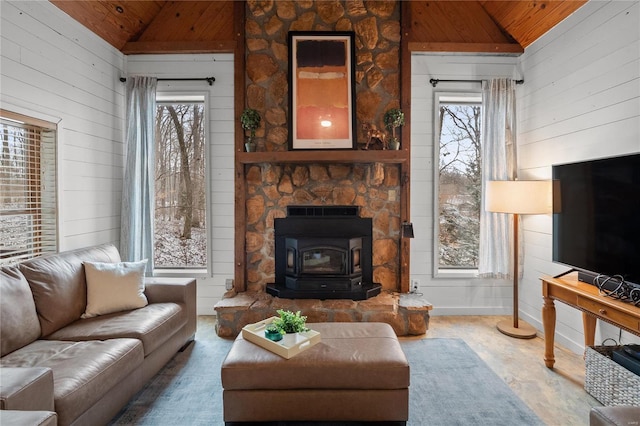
(180, 226)
(458, 180)
(28, 202)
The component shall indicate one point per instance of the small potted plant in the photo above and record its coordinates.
(289, 323)
(393, 119)
(250, 120)
(272, 332)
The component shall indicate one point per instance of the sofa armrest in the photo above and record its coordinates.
(28, 418)
(163, 290)
(176, 290)
(26, 389)
(618, 415)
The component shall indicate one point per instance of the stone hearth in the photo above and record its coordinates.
(407, 313)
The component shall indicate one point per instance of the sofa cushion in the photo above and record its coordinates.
(19, 325)
(114, 287)
(153, 325)
(58, 284)
(83, 372)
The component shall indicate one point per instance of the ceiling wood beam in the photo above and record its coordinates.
(504, 48)
(151, 47)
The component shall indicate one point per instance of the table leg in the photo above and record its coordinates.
(589, 328)
(549, 326)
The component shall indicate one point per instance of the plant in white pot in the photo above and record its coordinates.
(289, 323)
(250, 120)
(393, 119)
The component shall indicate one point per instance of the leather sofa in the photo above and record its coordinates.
(83, 369)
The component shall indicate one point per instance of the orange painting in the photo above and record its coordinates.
(322, 93)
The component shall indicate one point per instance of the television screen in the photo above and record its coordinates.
(596, 219)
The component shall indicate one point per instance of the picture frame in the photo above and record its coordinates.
(321, 90)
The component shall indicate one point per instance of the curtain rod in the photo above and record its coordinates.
(434, 81)
(209, 80)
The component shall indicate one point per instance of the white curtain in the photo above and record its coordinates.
(498, 163)
(136, 236)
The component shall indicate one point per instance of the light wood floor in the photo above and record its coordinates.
(557, 396)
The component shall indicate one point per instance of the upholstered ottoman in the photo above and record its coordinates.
(357, 373)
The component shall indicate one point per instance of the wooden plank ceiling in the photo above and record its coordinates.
(157, 26)
(487, 26)
(493, 26)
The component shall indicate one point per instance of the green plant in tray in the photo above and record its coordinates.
(290, 322)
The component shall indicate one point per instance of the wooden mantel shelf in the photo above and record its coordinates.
(324, 156)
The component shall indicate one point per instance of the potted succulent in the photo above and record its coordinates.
(393, 119)
(272, 332)
(250, 120)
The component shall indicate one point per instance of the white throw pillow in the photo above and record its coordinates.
(114, 287)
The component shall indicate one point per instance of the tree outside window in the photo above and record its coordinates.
(28, 196)
(459, 182)
(180, 235)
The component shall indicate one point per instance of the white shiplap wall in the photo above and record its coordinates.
(580, 101)
(449, 296)
(56, 70)
(221, 154)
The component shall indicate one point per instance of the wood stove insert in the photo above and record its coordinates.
(323, 252)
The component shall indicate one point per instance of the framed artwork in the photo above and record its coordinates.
(321, 90)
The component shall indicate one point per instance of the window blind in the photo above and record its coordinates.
(28, 201)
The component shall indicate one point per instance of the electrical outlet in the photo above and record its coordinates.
(228, 283)
(415, 285)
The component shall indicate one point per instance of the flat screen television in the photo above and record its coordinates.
(596, 219)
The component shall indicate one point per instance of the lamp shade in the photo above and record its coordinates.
(518, 196)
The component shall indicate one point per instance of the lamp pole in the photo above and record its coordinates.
(517, 328)
(515, 270)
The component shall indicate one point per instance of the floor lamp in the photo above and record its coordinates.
(517, 197)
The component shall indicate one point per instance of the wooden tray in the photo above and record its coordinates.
(285, 348)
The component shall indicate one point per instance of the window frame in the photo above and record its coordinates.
(438, 272)
(177, 96)
(46, 184)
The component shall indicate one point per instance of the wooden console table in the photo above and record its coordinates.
(587, 298)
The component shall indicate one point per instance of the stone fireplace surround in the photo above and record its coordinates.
(271, 188)
(267, 182)
(370, 186)
(272, 178)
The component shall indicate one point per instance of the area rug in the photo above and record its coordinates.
(450, 385)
